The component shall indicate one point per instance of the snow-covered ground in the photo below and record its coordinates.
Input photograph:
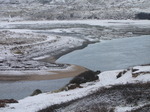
(107, 79)
(18, 10)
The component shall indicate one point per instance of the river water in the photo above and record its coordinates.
(111, 54)
(21, 89)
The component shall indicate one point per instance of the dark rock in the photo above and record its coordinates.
(8, 101)
(143, 15)
(84, 77)
(134, 70)
(125, 71)
(121, 73)
(2, 105)
(73, 86)
(3, 102)
(36, 92)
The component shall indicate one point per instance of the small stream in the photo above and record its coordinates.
(111, 54)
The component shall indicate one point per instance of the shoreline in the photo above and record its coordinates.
(57, 74)
(53, 58)
(54, 74)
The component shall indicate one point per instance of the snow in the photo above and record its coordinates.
(124, 109)
(116, 24)
(91, 22)
(141, 69)
(29, 72)
(18, 10)
(108, 78)
(41, 57)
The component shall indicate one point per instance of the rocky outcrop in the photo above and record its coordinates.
(36, 92)
(72, 86)
(84, 77)
(143, 15)
(5, 101)
(121, 73)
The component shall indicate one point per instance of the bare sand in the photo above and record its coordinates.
(59, 74)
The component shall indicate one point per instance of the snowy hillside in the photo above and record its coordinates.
(136, 78)
(71, 9)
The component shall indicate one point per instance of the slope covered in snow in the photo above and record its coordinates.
(106, 80)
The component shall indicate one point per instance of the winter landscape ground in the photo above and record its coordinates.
(32, 39)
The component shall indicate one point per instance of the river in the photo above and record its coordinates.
(111, 54)
(21, 89)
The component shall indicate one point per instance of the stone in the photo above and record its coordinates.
(84, 77)
(3, 102)
(36, 92)
(72, 86)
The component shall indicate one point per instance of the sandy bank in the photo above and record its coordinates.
(58, 74)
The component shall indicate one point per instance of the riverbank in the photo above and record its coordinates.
(56, 74)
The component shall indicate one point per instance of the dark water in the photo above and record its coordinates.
(21, 89)
(111, 54)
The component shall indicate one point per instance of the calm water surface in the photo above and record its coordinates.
(18, 90)
(111, 54)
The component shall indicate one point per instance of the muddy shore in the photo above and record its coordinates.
(76, 70)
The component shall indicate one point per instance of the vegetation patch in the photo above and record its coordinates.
(106, 99)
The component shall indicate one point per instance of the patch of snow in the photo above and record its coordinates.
(27, 72)
(41, 57)
(141, 69)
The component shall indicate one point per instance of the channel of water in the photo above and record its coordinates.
(111, 54)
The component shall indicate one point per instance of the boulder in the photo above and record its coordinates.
(36, 92)
(84, 77)
(121, 73)
(3, 102)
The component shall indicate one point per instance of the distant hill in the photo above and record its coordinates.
(71, 9)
